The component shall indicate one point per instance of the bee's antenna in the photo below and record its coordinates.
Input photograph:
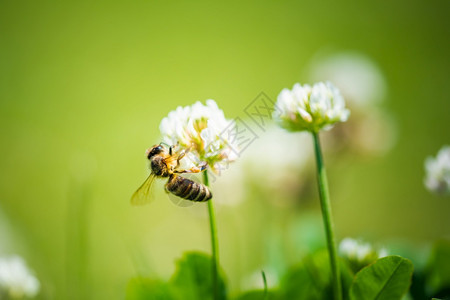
(163, 143)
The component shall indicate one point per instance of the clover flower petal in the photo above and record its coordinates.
(16, 279)
(310, 108)
(437, 169)
(201, 129)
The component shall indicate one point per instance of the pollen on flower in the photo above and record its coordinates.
(310, 108)
(201, 129)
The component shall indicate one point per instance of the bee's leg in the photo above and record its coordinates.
(198, 169)
(188, 149)
(172, 147)
(182, 154)
(180, 157)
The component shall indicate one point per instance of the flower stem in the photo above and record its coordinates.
(327, 219)
(214, 242)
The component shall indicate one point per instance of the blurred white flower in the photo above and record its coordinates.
(201, 129)
(372, 130)
(358, 78)
(278, 152)
(230, 189)
(310, 108)
(16, 279)
(369, 132)
(437, 169)
(359, 254)
(286, 158)
(354, 249)
(375, 132)
(283, 155)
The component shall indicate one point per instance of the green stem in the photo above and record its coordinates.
(327, 220)
(266, 294)
(214, 242)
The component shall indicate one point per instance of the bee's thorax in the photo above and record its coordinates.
(159, 167)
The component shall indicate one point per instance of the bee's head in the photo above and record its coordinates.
(155, 150)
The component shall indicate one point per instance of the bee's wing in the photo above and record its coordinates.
(142, 194)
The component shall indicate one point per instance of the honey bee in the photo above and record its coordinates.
(165, 163)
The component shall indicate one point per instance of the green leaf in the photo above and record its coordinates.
(257, 295)
(147, 289)
(311, 279)
(307, 280)
(387, 278)
(438, 269)
(192, 279)
(347, 277)
(418, 289)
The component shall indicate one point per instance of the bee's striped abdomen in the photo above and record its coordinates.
(188, 189)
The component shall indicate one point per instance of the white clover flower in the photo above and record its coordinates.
(16, 280)
(354, 249)
(310, 108)
(359, 254)
(437, 178)
(201, 129)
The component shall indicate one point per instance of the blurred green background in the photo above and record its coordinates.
(83, 87)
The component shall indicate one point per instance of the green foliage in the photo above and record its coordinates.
(438, 270)
(257, 295)
(143, 288)
(312, 279)
(357, 264)
(191, 281)
(433, 281)
(418, 290)
(388, 278)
